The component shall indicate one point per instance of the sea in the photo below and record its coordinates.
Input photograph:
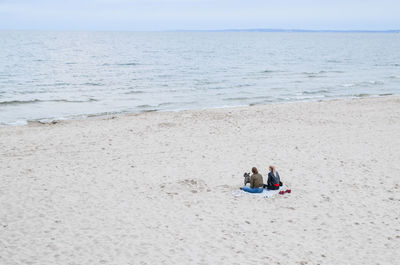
(46, 76)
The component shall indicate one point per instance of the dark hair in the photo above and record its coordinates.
(254, 170)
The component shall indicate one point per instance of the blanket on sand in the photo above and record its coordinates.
(265, 194)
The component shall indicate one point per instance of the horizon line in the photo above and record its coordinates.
(227, 30)
(289, 30)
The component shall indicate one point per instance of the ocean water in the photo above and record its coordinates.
(63, 75)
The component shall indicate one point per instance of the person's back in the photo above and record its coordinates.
(256, 181)
(273, 179)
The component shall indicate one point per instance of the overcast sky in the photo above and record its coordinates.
(199, 14)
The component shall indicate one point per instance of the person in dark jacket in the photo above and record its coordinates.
(274, 180)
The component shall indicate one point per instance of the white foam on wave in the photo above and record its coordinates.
(348, 85)
(15, 123)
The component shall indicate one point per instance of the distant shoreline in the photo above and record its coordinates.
(294, 30)
(218, 30)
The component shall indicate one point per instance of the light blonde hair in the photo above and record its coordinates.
(272, 168)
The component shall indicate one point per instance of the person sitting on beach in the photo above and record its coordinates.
(274, 180)
(256, 182)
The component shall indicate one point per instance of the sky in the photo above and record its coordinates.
(159, 15)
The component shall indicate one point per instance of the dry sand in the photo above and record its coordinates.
(156, 188)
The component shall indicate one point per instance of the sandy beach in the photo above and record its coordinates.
(156, 188)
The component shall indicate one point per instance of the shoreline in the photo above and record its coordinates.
(156, 188)
(82, 117)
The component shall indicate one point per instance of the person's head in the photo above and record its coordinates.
(254, 170)
(272, 168)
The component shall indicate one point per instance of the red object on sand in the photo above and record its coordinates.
(289, 191)
(281, 192)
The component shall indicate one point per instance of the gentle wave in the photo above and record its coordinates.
(272, 71)
(235, 99)
(333, 61)
(322, 91)
(127, 64)
(121, 64)
(361, 95)
(54, 84)
(244, 85)
(145, 106)
(135, 92)
(247, 98)
(322, 73)
(91, 84)
(331, 71)
(32, 101)
(364, 83)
